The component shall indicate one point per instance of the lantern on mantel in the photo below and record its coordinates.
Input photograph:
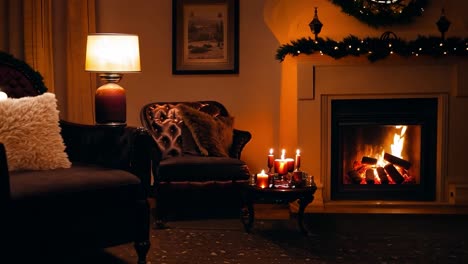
(315, 25)
(443, 24)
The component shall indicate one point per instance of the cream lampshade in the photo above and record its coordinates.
(111, 55)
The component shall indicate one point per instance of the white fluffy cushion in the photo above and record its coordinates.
(30, 131)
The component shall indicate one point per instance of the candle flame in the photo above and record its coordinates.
(283, 154)
(271, 151)
(298, 152)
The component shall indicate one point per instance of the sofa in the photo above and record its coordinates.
(66, 186)
(196, 163)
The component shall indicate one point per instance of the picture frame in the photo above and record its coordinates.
(205, 36)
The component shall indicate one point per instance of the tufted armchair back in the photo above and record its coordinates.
(164, 122)
(18, 79)
(196, 161)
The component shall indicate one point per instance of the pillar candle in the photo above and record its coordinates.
(298, 159)
(281, 165)
(270, 159)
(262, 179)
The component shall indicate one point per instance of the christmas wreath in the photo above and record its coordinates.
(382, 12)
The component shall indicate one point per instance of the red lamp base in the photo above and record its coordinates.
(111, 106)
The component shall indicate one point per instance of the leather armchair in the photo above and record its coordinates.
(186, 181)
(100, 201)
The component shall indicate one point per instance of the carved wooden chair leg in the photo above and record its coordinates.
(142, 248)
(159, 213)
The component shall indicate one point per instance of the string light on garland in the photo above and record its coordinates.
(377, 48)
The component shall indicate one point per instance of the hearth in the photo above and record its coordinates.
(384, 149)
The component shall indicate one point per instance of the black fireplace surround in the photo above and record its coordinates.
(367, 115)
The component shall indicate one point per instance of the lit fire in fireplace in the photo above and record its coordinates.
(383, 167)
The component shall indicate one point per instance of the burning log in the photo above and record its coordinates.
(370, 176)
(397, 161)
(359, 167)
(354, 176)
(368, 160)
(382, 175)
(393, 172)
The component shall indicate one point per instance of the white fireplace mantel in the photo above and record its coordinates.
(309, 84)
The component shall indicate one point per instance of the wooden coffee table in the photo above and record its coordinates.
(253, 194)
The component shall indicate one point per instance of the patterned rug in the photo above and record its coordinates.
(334, 239)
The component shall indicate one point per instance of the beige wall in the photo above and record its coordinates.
(289, 20)
(251, 96)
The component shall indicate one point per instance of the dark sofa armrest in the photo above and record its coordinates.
(140, 156)
(4, 179)
(240, 139)
(117, 147)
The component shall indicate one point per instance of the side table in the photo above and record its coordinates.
(252, 194)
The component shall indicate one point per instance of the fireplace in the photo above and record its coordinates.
(384, 149)
(323, 96)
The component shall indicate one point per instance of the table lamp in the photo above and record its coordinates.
(111, 55)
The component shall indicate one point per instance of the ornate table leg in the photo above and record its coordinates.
(247, 212)
(303, 202)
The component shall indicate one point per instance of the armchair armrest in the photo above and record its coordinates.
(240, 139)
(140, 158)
(4, 179)
(117, 147)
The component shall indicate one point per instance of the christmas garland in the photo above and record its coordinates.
(375, 48)
(375, 13)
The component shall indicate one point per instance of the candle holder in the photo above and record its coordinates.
(271, 180)
(253, 179)
(290, 174)
(309, 179)
(297, 178)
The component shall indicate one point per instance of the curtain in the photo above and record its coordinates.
(11, 27)
(80, 85)
(51, 37)
(38, 38)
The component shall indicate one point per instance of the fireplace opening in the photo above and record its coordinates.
(384, 149)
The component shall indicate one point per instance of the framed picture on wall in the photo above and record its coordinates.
(205, 36)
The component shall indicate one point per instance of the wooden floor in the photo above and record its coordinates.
(379, 207)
